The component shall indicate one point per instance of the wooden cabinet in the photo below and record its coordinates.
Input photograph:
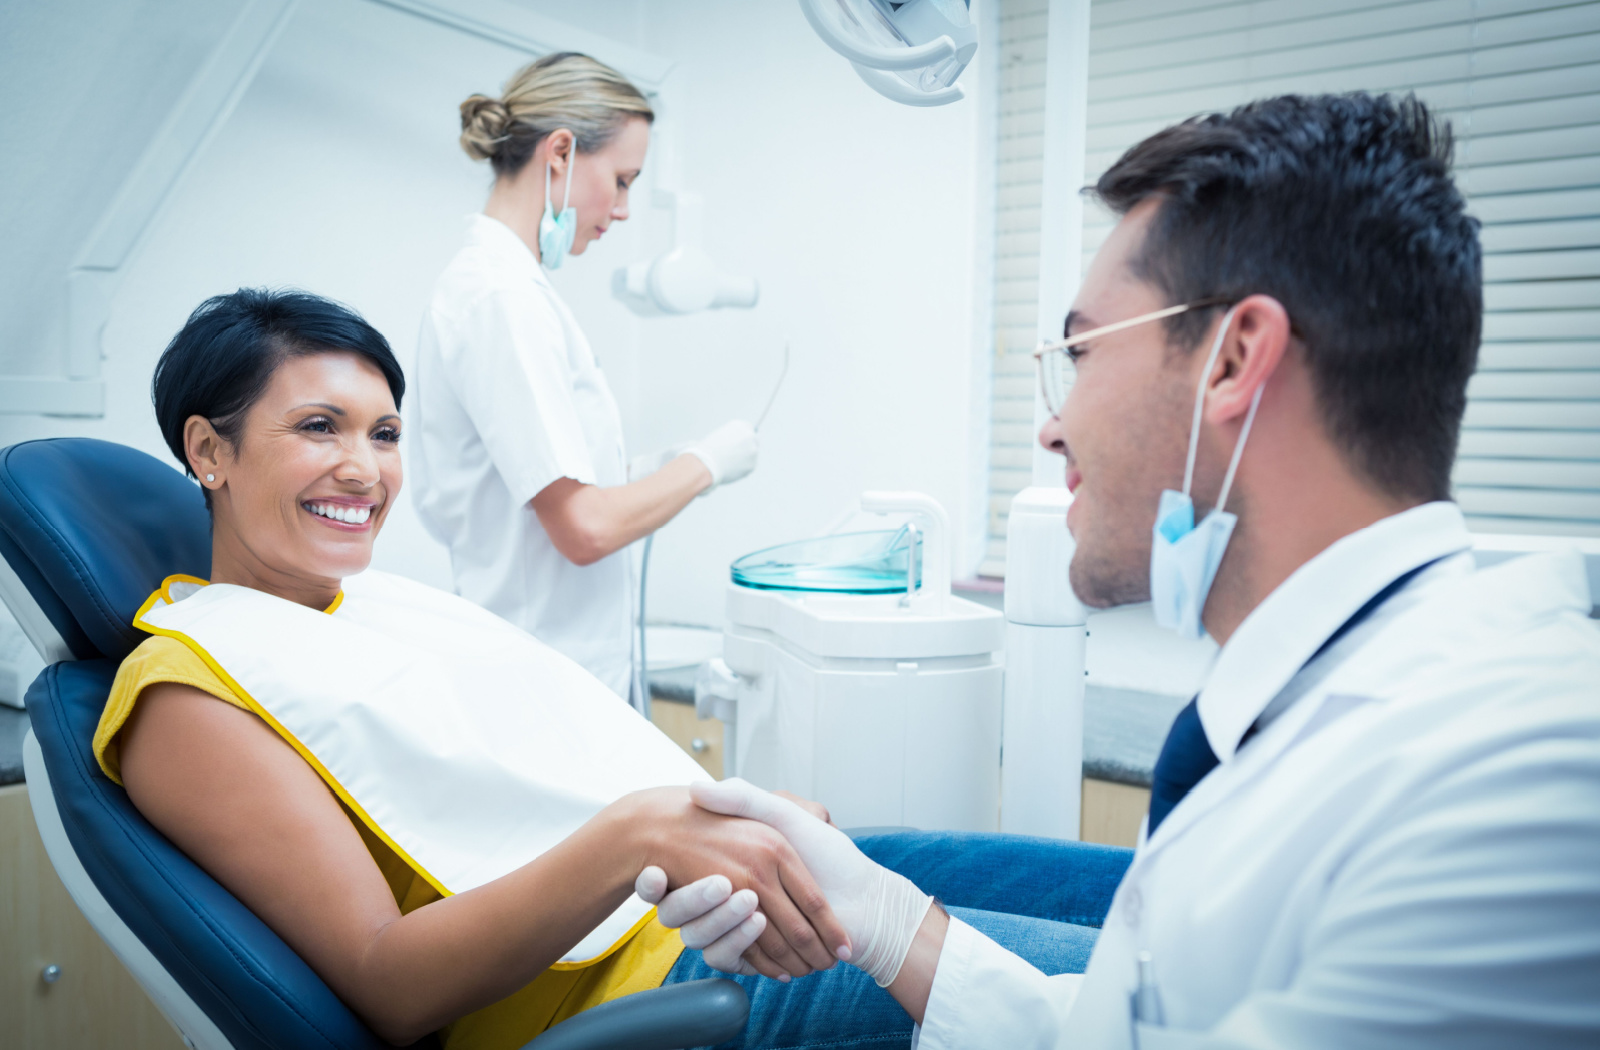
(94, 1003)
(700, 738)
(1112, 812)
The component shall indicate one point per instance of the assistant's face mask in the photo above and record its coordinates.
(557, 231)
(1183, 556)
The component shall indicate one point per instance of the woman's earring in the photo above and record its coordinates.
(211, 477)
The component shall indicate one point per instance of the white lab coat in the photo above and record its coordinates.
(507, 398)
(1407, 854)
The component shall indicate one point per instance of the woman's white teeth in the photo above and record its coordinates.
(350, 515)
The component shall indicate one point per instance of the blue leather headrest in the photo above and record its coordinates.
(247, 980)
(93, 527)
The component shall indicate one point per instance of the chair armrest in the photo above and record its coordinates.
(672, 1017)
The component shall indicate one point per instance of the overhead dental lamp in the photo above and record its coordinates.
(911, 51)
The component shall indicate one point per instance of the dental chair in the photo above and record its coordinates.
(87, 530)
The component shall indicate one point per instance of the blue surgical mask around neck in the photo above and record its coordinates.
(1184, 556)
(557, 231)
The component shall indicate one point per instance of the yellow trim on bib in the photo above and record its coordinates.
(163, 593)
(624, 939)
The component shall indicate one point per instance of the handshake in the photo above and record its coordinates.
(868, 915)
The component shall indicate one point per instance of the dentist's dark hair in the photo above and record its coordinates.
(220, 362)
(1342, 208)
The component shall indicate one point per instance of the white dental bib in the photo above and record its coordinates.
(465, 744)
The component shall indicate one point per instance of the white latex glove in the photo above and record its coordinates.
(729, 452)
(880, 910)
(708, 916)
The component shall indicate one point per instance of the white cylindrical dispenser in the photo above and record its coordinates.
(1041, 773)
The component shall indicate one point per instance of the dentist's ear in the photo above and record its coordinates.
(1256, 343)
(205, 451)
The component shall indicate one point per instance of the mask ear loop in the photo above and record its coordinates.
(1199, 403)
(566, 192)
(1238, 448)
(572, 164)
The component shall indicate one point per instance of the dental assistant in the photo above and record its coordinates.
(520, 463)
(1378, 824)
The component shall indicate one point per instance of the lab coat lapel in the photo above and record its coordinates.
(1282, 634)
(1243, 768)
(1486, 602)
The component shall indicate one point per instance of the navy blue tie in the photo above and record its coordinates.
(1185, 759)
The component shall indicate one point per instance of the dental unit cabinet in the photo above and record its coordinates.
(850, 674)
(880, 697)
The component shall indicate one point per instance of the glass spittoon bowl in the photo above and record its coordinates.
(849, 563)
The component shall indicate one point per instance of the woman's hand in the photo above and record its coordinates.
(796, 931)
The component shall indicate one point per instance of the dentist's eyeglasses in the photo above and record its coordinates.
(1057, 360)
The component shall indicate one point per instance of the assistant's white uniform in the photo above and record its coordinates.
(508, 398)
(1406, 854)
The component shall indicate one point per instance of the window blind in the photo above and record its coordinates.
(1019, 158)
(1520, 82)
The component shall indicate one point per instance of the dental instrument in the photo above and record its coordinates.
(783, 373)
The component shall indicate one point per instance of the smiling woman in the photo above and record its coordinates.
(443, 816)
(322, 463)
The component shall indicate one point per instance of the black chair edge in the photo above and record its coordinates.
(672, 1017)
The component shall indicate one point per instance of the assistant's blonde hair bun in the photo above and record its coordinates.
(484, 121)
(565, 90)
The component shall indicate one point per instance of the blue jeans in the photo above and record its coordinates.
(1044, 899)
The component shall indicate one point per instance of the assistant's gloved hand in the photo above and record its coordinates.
(729, 452)
(880, 910)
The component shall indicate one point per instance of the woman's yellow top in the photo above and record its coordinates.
(641, 962)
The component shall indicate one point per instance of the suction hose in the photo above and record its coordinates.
(643, 703)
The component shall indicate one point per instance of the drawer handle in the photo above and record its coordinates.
(50, 974)
(699, 746)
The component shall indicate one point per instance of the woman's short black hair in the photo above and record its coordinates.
(221, 361)
(1342, 208)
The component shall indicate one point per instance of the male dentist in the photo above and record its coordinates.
(1378, 825)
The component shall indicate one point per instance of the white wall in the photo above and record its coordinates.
(85, 83)
(339, 173)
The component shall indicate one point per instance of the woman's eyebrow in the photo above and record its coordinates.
(335, 409)
(385, 419)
